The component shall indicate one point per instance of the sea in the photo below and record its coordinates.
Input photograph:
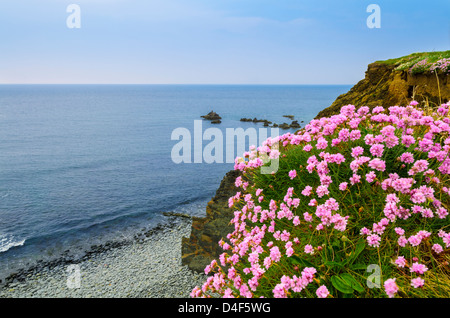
(82, 165)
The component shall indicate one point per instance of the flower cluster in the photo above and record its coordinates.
(442, 65)
(364, 186)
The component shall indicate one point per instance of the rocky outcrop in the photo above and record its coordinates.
(202, 246)
(212, 115)
(294, 124)
(384, 85)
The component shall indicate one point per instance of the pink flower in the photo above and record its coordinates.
(307, 191)
(408, 140)
(307, 217)
(355, 134)
(374, 240)
(275, 254)
(292, 174)
(357, 151)
(399, 231)
(322, 292)
(355, 179)
(370, 177)
(417, 282)
(437, 248)
(377, 150)
(418, 268)
(400, 261)
(407, 157)
(402, 241)
(414, 240)
(309, 249)
(322, 143)
(377, 164)
(322, 190)
(343, 186)
(390, 287)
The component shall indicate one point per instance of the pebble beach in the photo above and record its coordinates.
(145, 268)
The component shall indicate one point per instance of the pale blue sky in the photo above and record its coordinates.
(211, 41)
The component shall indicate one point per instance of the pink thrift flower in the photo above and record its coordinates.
(322, 292)
(418, 268)
(390, 287)
(307, 148)
(275, 254)
(400, 261)
(307, 217)
(292, 174)
(343, 186)
(309, 249)
(322, 143)
(399, 231)
(357, 151)
(322, 190)
(402, 241)
(307, 191)
(370, 177)
(417, 282)
(355, 179)
(377, 150)
(377, 164)
(407, 157)
(365, 231)
(373, 240)
(437, 248)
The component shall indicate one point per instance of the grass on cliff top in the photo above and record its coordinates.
(410, 61)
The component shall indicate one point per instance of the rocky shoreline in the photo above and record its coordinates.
(147, 267)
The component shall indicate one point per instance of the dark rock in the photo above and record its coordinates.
(202, 246)
(212, 116)
(216, 122)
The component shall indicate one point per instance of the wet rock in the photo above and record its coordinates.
(212, 116)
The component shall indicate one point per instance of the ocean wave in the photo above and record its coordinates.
(9, 241)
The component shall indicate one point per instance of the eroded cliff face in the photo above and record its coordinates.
(385, 86)
(202, 246)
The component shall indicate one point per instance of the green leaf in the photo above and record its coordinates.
(351, 281)
(341, 285)
(358, 266)
(332, 264)
(300, 261)
(358, 250)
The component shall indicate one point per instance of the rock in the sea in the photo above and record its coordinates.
(217, 121)
(212, 116)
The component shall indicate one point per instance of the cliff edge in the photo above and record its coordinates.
(423, 77)
(202, 246)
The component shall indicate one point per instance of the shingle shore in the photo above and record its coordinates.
(149, 267)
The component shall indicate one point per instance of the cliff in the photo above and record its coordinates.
(423, 77)
(203, 244)
(390, 82)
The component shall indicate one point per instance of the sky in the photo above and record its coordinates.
(211, 41)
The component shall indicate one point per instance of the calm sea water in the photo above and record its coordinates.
(83, 164)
